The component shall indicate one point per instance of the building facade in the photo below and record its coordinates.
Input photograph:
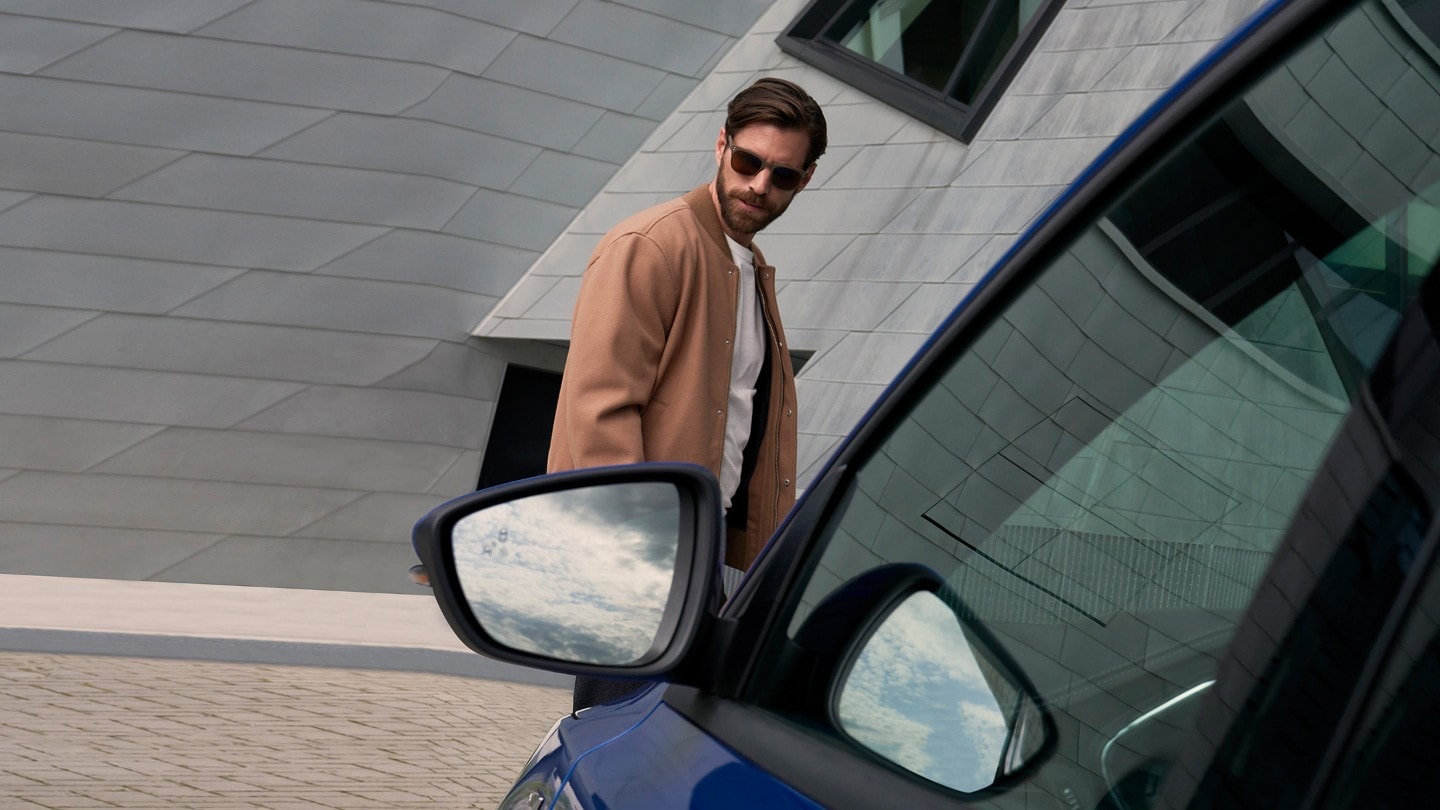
(277, 276)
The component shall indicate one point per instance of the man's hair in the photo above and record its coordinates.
(783, 104)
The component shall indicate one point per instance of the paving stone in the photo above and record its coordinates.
(89, 731)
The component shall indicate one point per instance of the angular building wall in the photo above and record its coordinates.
(243, 244)
(901, 219)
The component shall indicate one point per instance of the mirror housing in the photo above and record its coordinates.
(855, 649)
(609, 571)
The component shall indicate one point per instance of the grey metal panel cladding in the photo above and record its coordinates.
(517, 113)
(24, 327)
(142, 14)
(86, 281)
(380, 414)
(133, 115)
(292, 562)
(858, 304)
(733, 18)
(243, 245)
(380, 517)
(301, 191)
(565, 179)
(75, 167)
(64, 445)
(932, 258)
(168, 504)
(367, 29)
(107, 553)
(28, 44)
(440, 260)
(452, 368)
(338, 303)
(128, 188)
(133, 395)
(519, 222)
(234, 349)
(285, 458)
(537, 17)
(578, 75)
(255, 72)
(664, 43)
(143, 231)
(411, 146)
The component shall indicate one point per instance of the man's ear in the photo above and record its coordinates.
(720, 147)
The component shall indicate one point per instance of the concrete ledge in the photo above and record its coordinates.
(241, 624)
(250, 651)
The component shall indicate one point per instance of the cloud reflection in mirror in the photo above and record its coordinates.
(919, 696)
(581, 575)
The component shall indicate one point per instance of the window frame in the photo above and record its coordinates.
(803, 40)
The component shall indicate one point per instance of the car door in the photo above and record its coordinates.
(1185, 414)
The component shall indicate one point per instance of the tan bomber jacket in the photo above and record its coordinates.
(648, 374)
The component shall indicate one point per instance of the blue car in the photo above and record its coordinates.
(1151, 520)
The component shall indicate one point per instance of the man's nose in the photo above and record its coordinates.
(760, 181)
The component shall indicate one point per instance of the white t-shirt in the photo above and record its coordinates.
(745, 365)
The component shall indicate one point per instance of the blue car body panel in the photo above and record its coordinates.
(640, 754)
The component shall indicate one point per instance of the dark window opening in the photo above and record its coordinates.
(520, 433)
(945, 62)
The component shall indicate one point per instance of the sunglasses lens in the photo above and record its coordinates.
(750, 165)
(745, 163)
(785, 179)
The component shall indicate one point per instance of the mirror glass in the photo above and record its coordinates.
(581, 575)
(925, 694)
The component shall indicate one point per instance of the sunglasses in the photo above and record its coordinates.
(750, 164)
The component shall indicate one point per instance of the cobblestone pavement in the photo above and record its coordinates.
(89, 731)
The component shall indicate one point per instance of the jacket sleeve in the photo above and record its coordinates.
(624, 312)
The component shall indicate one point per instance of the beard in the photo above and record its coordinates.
(740, 219)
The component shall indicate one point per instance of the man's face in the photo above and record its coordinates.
(749, 203)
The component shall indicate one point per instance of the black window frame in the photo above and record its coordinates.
(804, 40)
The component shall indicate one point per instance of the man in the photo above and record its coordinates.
(676, 348)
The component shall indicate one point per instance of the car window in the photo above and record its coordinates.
(1105, 471)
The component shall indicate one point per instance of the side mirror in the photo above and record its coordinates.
(929, 695)
(605, 571)
(913, 678)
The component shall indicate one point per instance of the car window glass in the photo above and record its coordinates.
(1391, 764)
(1105, 471)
